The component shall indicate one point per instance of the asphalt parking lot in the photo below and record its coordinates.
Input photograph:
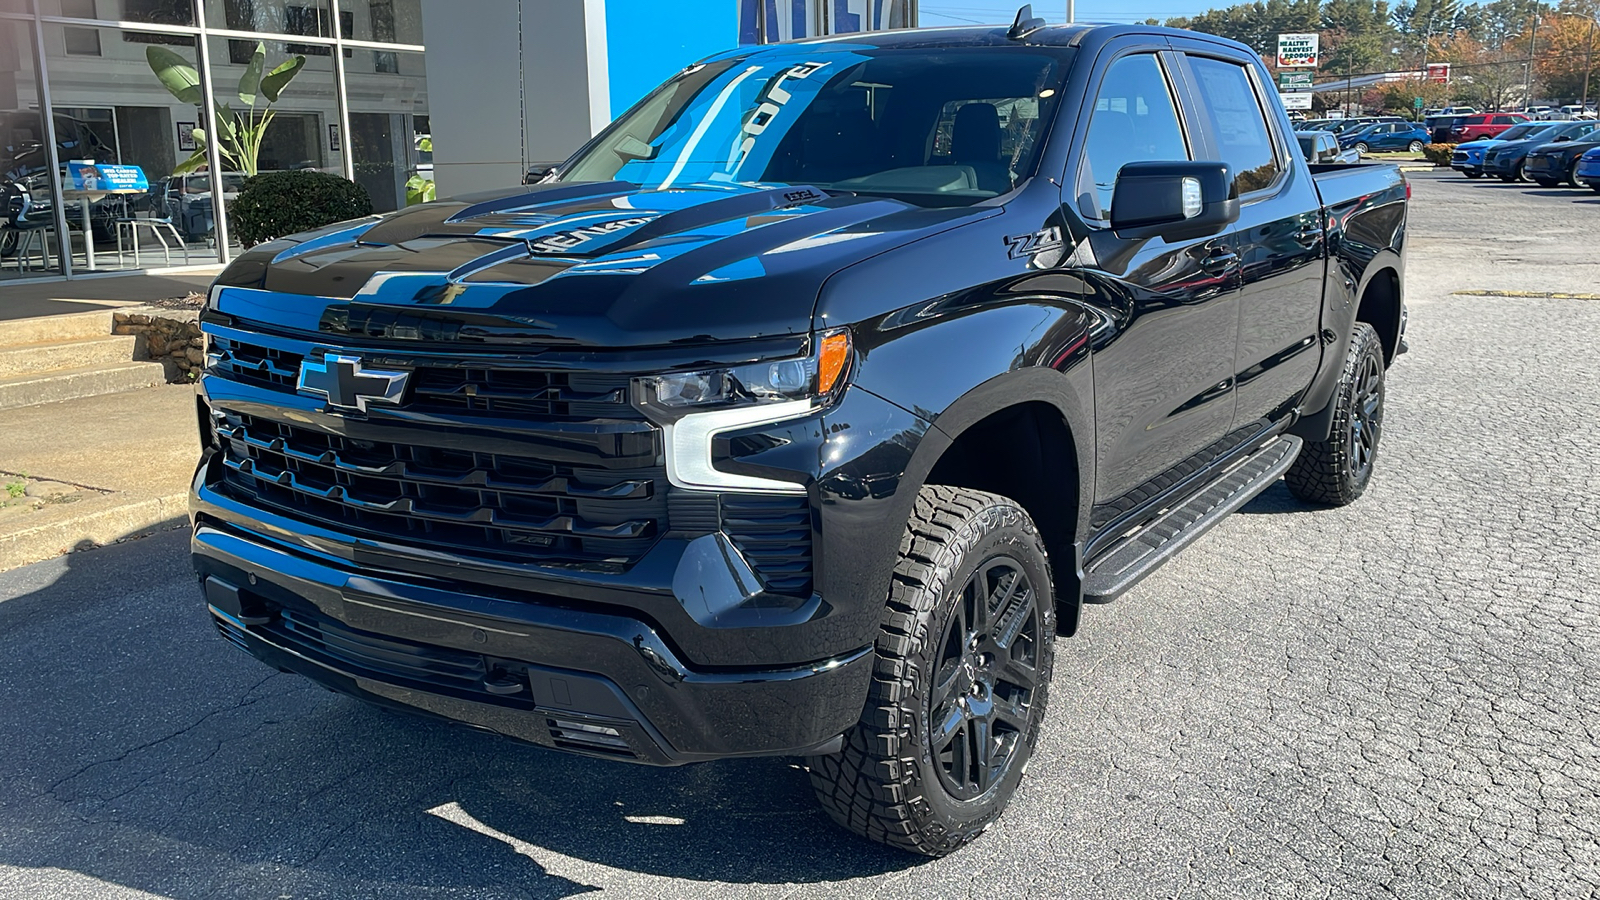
(1396, 699)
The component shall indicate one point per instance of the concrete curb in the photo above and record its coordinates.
(135, 518)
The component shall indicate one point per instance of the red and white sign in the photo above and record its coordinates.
(1439, 73)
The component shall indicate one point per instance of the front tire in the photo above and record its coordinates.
(1361, 149)
(961, 680)
(1336, 471)
(1572, 176)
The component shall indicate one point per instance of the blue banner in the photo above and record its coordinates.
(91, 176)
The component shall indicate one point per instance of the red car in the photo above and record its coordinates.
(1484, 125)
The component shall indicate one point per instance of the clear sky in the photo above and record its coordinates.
(990, 12)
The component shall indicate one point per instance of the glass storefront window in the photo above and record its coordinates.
(389, 135)
(28, 242)
(111, 110)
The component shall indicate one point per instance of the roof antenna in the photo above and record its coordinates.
(1026, 23)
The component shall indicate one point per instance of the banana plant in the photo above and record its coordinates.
(239, 132)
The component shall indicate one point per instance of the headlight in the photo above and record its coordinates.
(667, 398)
(692, 408)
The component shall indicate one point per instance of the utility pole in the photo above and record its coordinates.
(1527, 73)
(1588, 66)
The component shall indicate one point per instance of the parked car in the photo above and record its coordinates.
(1467, 158)
(1578, 111)
(1458, 111)
(1439, 128)
(1551, 164)
(1588, 170)
(1322, 147)
(680, 475)
(1505, 158)
(1484, 125)
(186, 200)
(1386, 136)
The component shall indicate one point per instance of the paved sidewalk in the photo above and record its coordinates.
(136, 451)
(52, 298)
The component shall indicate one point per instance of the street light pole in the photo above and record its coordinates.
(1072, 11)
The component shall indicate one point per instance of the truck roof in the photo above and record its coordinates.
(1076, 35)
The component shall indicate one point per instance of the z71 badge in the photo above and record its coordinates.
(1021, 245)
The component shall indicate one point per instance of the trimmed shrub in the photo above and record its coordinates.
(277, 204)
(1438, 154)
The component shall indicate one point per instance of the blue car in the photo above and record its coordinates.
(1588, 171)
(1505, 159)
(1467, 158)
(1386, 136)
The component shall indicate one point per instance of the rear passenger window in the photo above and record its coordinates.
(1134, 120)
(1238, 122)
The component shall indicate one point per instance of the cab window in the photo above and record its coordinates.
(1134, 119)
(1238, 123)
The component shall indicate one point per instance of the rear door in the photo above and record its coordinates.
(1164, 373)
(1279, 236)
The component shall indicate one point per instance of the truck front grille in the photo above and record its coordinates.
(409, 493)
(453, 386)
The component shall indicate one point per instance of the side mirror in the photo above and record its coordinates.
(1176, 200)
(537, 171)
(1563, 138)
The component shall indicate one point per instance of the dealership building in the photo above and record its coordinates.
(393, 93)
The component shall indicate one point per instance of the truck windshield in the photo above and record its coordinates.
(934, 127)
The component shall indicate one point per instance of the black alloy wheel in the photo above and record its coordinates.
(1337, 470)
(987, 673)
(960, 682)
(1366, 422)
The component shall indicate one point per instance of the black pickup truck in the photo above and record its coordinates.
(799, 411)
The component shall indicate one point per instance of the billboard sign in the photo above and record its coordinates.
(1296, 101)
(1439, 73)
(1297, 51)
(1294, 81)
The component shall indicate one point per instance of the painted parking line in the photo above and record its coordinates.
(1528, 295)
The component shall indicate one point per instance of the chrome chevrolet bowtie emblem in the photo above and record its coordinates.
(345, 384)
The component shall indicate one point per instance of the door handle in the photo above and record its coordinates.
(1220, 262)
(1307, 235)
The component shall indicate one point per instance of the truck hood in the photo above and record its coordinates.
(582, 265)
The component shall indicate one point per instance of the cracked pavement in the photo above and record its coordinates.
(1399, 699)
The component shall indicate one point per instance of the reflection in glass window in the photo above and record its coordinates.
(1238, 122)
(940, 128)
(1134, 120)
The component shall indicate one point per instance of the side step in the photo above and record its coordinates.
(1112, 573)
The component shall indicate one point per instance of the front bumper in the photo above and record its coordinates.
(592, 683)
(1467, 162)
(1545, 167)
(1589, 172)
(1502, 165)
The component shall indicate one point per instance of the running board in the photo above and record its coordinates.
(1112, 573)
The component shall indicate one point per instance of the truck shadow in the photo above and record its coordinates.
(144, 751)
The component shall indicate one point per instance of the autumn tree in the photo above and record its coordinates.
(1566, 53)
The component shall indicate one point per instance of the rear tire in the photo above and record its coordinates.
(1336, 471)
(1415, 147)
(960, 683)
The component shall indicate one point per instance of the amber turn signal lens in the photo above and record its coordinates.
(833, 359)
